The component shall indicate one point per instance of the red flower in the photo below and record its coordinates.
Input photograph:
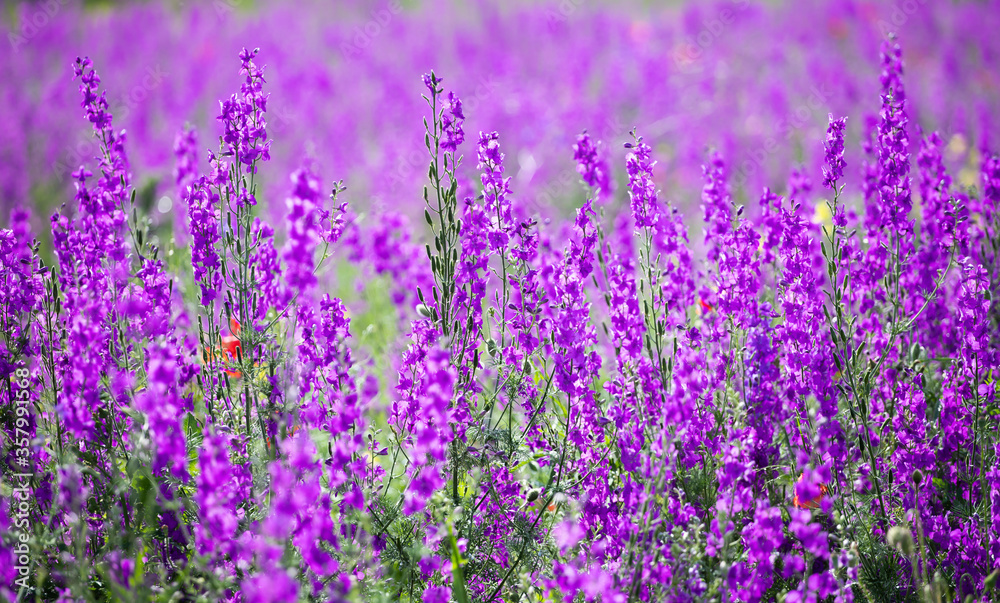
(812, 503)
(231, 349)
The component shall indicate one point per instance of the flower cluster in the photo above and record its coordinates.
(833, 167)
(244, 127)
(507, 402)
(452, 123)
(591, 164)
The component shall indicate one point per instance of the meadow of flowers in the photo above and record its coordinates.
(477, 302)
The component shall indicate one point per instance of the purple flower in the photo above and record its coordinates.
(993, 478)
(330, 400)
(430, 82)
(452, 119)
(425, 414)
(739, 272)
(525, 301)
(332, 222)
(186, 174)
(591, 164)
(186, 153)
(893, 146)
(991, 187)
(73, 490)
(272, 287)
(223, 486)
(93, 252)
(21, 291)
(95, 106)
(81, 366)
(627, 326)
(436, 594)
(165, 413)
(641, 188)
(303, 220)
(833, 168)
(100, 221)
(582, 577)
(736, 474)
(715, 203)
(473, 267)
(799, 184)
(736, 362)
(244, 127)
(203, 223)
(973, 319)
(496, 190)
(942, 229)
(387, 248)
(567, 534)
(766, 533)
(678, 284)
(424, 484)
(811, 536)
(935, 191)
(275, 586)
(573, 335)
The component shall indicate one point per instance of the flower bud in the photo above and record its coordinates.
(991, 580)
(901, 539)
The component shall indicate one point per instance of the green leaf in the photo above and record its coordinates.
(784, 479)
(458, 590)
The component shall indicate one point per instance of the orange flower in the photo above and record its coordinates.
(812, 503)
(231, 349)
